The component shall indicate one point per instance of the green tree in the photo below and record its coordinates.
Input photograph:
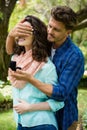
(6, 8)
(40, 8)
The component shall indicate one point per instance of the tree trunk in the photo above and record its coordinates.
(6, 8)
(4, 58)
(82, 19)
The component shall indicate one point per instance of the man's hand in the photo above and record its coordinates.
(22, 107)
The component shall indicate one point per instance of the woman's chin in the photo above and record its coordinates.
(21, 44)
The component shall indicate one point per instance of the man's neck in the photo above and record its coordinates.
(59, 43)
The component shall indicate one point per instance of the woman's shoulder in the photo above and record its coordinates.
(49, 64)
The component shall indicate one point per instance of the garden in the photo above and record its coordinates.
(12, 12)
(6, 112)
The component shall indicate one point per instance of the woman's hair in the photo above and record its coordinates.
(41, 48)
(65, 15)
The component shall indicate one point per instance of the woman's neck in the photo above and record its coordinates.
(27, 48)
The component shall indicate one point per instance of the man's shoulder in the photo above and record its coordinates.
(76, 51)
(73, 48)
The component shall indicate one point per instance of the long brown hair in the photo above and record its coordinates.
(41, 47)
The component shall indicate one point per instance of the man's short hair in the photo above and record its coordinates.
(65, 15)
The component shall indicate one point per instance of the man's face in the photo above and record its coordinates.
(57, 32)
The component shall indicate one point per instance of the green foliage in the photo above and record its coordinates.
(6, 92)
(1, 15)
(41, 9)
(82, 101)
(6, 117)
(19, 13)
(1, 97)
(82, 105)
(85, 120)
(84, 50)
(1, 84)
(80, 38)
(7, 120)
(5, 96)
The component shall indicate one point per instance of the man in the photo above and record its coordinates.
(69, 62)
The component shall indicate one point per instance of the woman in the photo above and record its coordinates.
(31, 55)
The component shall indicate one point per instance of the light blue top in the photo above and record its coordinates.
(32, 95)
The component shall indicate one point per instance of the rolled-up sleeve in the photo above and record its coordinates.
(55, 105)
(69, 78)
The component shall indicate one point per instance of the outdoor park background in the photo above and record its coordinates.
(11, 12)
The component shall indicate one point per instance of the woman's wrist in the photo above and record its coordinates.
(38, 106)
(11, 34)
(30, 78)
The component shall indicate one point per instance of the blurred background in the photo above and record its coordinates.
(11, 12)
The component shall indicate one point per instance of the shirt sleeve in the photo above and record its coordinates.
(69, 78)
(55, 105)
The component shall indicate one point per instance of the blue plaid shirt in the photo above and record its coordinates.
(69, 62)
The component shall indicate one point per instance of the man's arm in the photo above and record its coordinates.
(69, 79)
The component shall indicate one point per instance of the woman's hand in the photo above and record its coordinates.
(20, 75)
(22, 107)
(21, 30)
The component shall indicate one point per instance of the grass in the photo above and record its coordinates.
(82, 105)
(7, 120)
(82, 101)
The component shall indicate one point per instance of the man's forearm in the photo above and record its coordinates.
(45, 88)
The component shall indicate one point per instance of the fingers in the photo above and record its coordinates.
(20, 71)
(15, 75)
(10, 72)
(24, 30)
(17, 109)
(22, 20)
(20, 101)
(18, 74)
(21, 30)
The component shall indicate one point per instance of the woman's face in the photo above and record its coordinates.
(26, 41)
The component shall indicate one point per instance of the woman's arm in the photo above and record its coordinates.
(50, 105)
(19, 30)
(10, 41)
(24, 106)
